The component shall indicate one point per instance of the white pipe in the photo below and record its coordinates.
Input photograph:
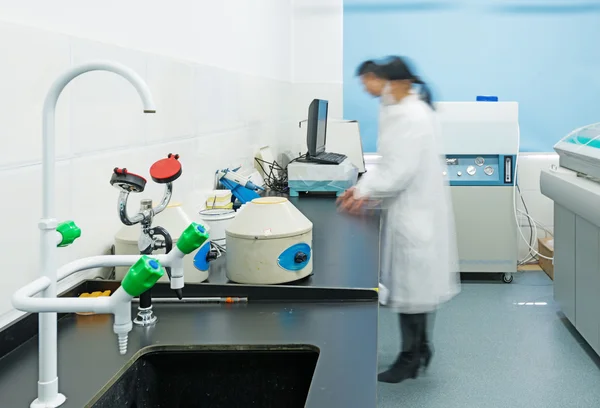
(48, 395)
(103, 261)
(173, 259)
(23, 300)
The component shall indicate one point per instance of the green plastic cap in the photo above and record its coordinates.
(142, 276)
(69, 232)
(192, 238)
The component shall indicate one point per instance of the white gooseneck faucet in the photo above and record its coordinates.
(142, 276)
(48, 395)
(48, 381)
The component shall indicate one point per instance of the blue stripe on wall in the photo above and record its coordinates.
(545, 55)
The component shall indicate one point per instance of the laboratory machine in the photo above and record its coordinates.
(316, 135)
(318, 171)
(574, 186)
(313, 178)
(269, 242)
(481, 144)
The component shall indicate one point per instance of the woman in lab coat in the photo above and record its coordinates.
(419, 265)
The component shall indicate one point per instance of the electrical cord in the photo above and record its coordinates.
(516, 211)
(275, 175)
(531, 231)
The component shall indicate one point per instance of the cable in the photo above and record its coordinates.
(531, 248)
(275, 175)
(539, 224)
(531, 232)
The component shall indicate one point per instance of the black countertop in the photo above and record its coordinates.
(346, 335)
(341, 323)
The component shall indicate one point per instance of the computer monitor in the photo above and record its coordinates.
(316, 126)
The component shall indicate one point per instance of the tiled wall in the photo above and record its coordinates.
(212, 117)
(317, 54)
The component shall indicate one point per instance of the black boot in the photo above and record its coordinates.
(409, 361)
(426, 355)
(406, 366)
(426, 350)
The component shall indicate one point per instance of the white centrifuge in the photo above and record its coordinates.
(269, 242)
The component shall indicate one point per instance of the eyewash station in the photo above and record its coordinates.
(574, 186)
(244, 291)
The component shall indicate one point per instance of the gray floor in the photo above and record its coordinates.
(493, 352)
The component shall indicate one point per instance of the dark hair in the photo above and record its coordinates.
(395, 69)
(367, 67)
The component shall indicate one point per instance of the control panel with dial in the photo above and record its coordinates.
(479, 169)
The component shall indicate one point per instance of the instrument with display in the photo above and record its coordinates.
(481, 145)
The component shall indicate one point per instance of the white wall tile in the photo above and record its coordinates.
(217, 102)
(32, 59)
(304, 93)
(189, 167)
(318, 41)
(106, 111)
(171, 83)
(530, 166)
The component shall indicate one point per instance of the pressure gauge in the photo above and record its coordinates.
(479, 161)
(489, 170)
(471, 170)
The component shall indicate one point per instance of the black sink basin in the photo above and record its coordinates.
(207, 377)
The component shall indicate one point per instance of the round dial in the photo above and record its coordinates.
(479, 161)
(471, 170)
(489, 170)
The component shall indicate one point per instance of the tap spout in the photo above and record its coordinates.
(55, 91)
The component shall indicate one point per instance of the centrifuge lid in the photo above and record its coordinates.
(268, 218)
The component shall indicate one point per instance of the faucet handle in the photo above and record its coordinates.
(166, 170)
(126, 181)
(142, 276)
(69, 232)
(192, 238)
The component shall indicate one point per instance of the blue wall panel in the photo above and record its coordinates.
(543, 54)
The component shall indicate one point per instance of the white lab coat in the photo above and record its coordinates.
(419, 259)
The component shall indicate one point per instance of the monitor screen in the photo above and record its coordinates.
(316, 132)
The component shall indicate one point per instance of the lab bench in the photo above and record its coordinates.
(334, 312)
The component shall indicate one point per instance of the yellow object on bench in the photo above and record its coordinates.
(93, 295)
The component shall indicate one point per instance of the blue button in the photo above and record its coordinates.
(153, 264)
(201, 229)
